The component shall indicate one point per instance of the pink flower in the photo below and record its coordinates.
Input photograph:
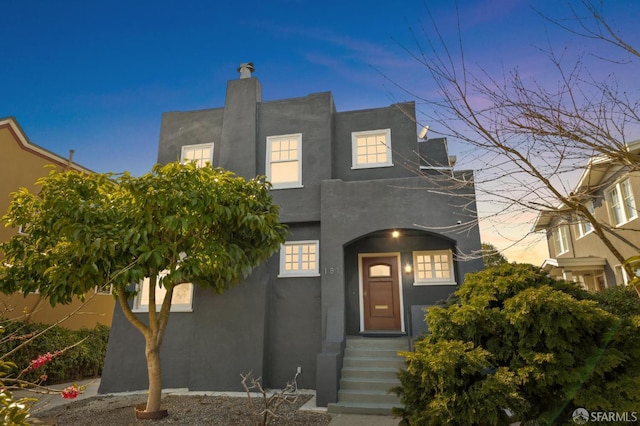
(41, 360)
(70, 392)
(43, 378)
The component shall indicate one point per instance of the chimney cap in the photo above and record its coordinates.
(245, 69)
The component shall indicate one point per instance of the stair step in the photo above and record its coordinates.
(369, 373)
(371, 353)
(376, 362)
(367, 396)
(361, 408)
(396, 343)
(368, 384)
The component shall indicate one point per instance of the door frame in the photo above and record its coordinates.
(361, 285)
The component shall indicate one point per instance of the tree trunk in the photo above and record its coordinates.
(152, 352)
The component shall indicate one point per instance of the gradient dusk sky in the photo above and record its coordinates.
(95, 76)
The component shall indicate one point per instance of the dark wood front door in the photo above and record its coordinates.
(380, 293)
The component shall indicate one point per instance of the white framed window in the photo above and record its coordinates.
(201, 154)
(433, 267)
(106, 290)
(621, 275)
(284, 161)
(561, 239)
(621, 203)
(181, 301)
(583, 226)
(299, 258)
(371, 149)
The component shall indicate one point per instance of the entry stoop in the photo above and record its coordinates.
(369, 369)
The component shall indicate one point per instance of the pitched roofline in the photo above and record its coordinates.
(592, 175)
(14, 128)
(600, 165)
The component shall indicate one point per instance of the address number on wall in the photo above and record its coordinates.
(331, 270)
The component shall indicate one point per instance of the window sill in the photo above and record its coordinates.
(583, 235)
(371, 166)
(296, 186)
(428, 283)
(312, 275)
(144, 310)
(621, 224)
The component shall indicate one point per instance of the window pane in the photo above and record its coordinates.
(629, 202)
(201, 154)
(299, 258)
(380, 271)
(371, 149)
(285, 172)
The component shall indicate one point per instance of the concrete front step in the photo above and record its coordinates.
(371, 352)
(361, 408)
(367, 396)
(380, 384)
(395, 343)
(373, 362)
(368, 373)
(370, 369)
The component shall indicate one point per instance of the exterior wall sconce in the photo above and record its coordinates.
(395, 234)
(408, 268)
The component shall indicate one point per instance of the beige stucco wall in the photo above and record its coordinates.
(20, 166)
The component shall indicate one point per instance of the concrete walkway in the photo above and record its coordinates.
(46, 402)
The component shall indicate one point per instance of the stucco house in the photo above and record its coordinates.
(609, 190)
(371, 243)
(22, 163)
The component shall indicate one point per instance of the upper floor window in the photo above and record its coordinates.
(181, 301)
(201, 154)
(433, 267)
(622, 205)
(561, 239)
(299, 258)
(284, 165)
(371, 149)
(585, 227)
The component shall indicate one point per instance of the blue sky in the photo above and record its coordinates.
(95, 76)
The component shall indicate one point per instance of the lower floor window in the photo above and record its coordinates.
(433, 267)
(299, 258)
(181, 301)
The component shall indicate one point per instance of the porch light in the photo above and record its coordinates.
(407, 268)
(395, 234)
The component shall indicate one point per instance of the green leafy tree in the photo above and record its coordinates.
(491, 256)
(519, 340)
(178, 224)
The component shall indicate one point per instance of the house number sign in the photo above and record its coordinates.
(331, 270)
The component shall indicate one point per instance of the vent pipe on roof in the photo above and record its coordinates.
(245, 69)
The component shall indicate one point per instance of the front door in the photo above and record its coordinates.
(381, 293)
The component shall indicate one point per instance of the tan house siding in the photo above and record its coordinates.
(21, 165)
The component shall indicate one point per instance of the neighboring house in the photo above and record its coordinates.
(21, 164)
(371, 242)
(610, 191)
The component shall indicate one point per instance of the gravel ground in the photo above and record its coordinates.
(113, 410)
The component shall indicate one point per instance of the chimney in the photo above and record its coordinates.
(245, 70)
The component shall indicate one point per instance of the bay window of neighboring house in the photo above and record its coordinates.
(433, 267)
(201, 154)
(299, 259)
(621, 203)
(371, 149)
(284, 164)
(181, 301)
(585, 227)
(561, 239)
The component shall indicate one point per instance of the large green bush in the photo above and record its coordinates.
(515, 341)
(82, 361)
